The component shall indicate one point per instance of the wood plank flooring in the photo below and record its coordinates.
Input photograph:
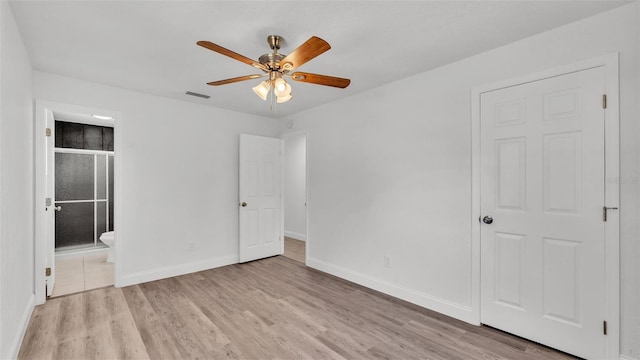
(294, 249)
(274, 308)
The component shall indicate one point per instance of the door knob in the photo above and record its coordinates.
(57, 208)
(487, 219)
(243, 204)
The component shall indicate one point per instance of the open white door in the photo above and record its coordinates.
(50, 208)
(260, 199)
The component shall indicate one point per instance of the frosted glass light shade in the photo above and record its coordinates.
(279, 84)
(262, 89)
(281, 88)
(285, 98)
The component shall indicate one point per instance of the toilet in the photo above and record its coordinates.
(109, 239)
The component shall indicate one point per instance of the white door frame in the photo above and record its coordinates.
(612, 189)
(41, 110)
(306, 188)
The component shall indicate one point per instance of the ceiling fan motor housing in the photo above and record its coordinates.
(272, 60)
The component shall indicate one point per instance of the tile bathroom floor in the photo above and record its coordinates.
(82, 273)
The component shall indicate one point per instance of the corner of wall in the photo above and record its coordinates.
(14, 350)
(17, 299)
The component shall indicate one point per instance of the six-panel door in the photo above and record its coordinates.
(542, 181)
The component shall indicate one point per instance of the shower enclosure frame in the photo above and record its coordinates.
(95, 201)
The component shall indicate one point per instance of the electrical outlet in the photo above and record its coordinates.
(387, 262)
(192, 246)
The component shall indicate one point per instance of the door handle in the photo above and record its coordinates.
(243, 204)
(487, 220)
(57, 208)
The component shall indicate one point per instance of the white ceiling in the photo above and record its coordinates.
(150, 46)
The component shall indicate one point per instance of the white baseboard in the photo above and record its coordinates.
(171, 271)
(295, 235)
(24, 323)
(625, 357)
(443, 306)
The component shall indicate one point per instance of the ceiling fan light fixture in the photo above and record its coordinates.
(279, 84)
(281, 88)
(285, 98)
(262, 89)
(276, 66)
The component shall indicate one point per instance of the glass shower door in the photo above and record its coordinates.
(82, 194)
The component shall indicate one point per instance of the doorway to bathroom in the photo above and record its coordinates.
(75, 168)
(83, 204)
(295, 196)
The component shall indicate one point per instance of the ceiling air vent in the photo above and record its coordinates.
(197, 95)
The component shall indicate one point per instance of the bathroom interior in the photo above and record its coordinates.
(83, 182)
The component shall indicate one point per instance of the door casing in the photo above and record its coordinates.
(42, 109)
(306, 187)
(612, 188)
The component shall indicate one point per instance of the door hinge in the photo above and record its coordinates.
(47, 271)
(604, 212)
(604, 327)
(47, 132)
(604, 101)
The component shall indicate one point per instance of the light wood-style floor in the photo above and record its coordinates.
(266, 309)
(294, 249)
(82, 273)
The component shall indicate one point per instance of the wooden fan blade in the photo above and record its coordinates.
(305, 52)
(235, 79)
(321, 79)
(219, 49)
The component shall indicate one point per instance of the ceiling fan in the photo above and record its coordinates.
(277, 66)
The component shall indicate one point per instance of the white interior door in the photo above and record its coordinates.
(542, 183)
(51, 208)
(260, 202)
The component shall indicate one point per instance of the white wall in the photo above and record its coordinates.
(178, 166)
(389, 170)
(295, 177)
(16, 186)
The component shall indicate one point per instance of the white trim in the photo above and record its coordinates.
(24, 322)
(40, 243)
(295, 235)
(612, 192)
(306, 195)
(443, 306)
(82, 151)
(118, 210)
(281, 196)
(177, 270)
(79, 201)
(95, 197)
(625, 357)
(299, 236)
(106, 171)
